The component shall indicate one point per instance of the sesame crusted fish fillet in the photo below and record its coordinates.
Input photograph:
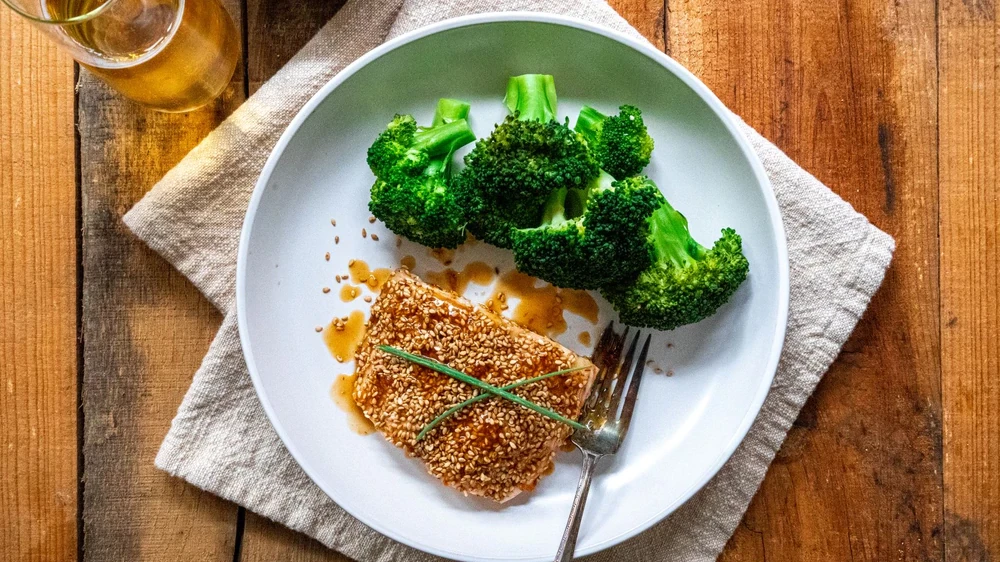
(493, 448)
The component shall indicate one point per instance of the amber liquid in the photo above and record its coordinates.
(172, 55)
(342, 393)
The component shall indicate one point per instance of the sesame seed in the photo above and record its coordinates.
(326, 289)
(368, 298)
(375, 237)
(336, 239)
(333, 222)
(371, 219)
(492, 448)
(319, 328)
(364, 233)
(327, 256)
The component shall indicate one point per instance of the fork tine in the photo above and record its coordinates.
(614, 381)
(612, 365)
(603, 344)
(633, 391)
(621, 379)
(609, 361)
(603, 349)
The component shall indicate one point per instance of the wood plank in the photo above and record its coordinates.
(146, 330)
(275, 33)
(38, 350)
(847, 89)
(267, 541)
(648, 17)
(969, 39)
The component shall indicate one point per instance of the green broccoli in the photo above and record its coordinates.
(526, 158)
(686, 282)
(414, 193)
(591, 237)
(620, 142)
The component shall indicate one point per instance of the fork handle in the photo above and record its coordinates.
(568, 545)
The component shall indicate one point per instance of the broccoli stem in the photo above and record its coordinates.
(601, 182)
(555, 208)
(444, 139)
(449, 110)
(588, 123)
(672, 242)
(532, 97)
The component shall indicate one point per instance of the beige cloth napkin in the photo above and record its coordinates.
(221, 440)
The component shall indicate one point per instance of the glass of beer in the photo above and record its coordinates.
(170, 55)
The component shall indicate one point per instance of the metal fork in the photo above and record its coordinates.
(606, 425)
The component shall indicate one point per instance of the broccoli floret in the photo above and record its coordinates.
(414, 193)
(590, 237)
(526, 158)
(686, 282)
(620, 142)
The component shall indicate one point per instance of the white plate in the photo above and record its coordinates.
(685, 426)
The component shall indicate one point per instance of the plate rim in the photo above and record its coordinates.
(669, 64)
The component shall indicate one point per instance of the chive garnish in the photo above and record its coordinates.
(479, 397)
(459, 375)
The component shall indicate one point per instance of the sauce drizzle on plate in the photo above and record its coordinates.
(343, 337)
(476, 272)
(362, 274)
(342, 393)
(540, 308)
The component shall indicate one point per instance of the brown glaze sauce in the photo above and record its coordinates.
(584, 338)
(342, 393)
(458, 281)
(409, 262)
(349, 293)
(540, 308)
(343, 337)
(443, 255)
(362, 274)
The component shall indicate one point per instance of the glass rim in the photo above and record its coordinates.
(75, 19)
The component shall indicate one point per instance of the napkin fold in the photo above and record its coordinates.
(221, 440)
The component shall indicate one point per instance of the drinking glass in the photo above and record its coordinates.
(171, 55)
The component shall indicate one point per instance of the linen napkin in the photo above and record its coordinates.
(221, 440)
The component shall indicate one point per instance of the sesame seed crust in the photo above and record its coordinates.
(493, 448)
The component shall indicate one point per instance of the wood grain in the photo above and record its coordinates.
(267, 541)
(146, 330)
(275, 33)
(969, 39)
(38, 351)
(847, 89)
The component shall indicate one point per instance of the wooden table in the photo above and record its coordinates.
(892, 103)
